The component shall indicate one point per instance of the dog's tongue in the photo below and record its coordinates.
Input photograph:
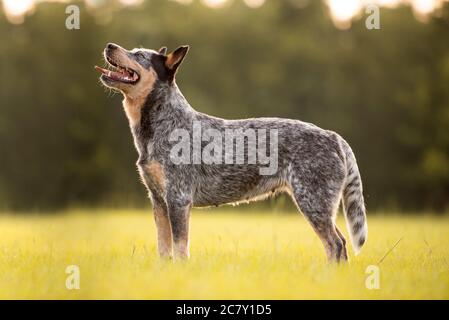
(101, 70)
(109, 73)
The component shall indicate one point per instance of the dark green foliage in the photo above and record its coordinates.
(64, 141)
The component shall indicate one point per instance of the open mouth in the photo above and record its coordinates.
(118, 73)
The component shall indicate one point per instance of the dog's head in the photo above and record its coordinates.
(134, 72)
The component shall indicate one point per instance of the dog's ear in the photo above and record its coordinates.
(163, 50)
(175, 58)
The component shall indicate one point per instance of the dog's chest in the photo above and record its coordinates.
(153, 175)
(151, 169)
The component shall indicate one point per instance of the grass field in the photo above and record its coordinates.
(233, 255)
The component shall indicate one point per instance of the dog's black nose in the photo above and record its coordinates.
(111, 46)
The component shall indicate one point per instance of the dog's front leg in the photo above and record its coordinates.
(179, 213)
(164, 233)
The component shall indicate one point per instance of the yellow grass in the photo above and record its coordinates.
(235, 254)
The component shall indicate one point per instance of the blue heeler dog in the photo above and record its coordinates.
(315, 166)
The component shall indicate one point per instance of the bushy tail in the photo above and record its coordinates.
(353, 203)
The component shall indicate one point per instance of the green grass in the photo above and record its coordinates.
(234, 255)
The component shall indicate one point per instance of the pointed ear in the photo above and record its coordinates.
(163, 50)
(175, 58)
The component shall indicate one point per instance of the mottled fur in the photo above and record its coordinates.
(315, 166)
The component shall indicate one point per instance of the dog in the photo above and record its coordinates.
(316, 167)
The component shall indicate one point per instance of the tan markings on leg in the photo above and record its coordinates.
(181, 249)
(156, 172)
(136, 96)
(164, 234)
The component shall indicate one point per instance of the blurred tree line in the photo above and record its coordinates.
(64, 140)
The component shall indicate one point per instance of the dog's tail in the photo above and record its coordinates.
(353, 203)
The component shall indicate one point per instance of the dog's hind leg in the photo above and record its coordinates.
(342, 237)
(319, 207)
(327, 231)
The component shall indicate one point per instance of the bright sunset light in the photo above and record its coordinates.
(16, 9)
(254, 3)
(214, 3)
(341, 11)
(344, 9)
(425, 6)
(131, 2)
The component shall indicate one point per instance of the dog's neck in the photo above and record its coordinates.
(139, 107)
(164, 102)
